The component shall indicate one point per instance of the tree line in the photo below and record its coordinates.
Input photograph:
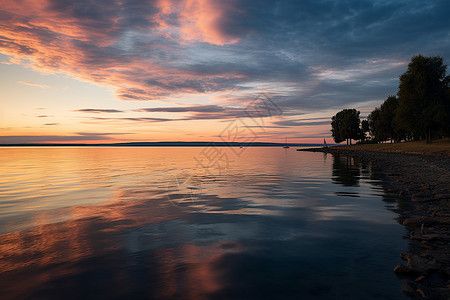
(420, 110)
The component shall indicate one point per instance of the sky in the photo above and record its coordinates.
(90, 71)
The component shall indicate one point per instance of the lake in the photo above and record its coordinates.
(194, 223)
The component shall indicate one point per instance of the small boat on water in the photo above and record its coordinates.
(285, 142)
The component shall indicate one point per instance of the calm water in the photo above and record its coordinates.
(194, 223)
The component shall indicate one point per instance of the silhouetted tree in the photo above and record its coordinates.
(422, 102)
(387, 123)
(345, 126)
(374, 119)
(364, 129)
(382, 124)
(365, 125)
(444, 114)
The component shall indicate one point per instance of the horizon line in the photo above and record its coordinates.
(163, 144)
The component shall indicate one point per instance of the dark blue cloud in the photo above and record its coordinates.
(215, 112)
(301, 123)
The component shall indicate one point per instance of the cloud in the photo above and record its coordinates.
(196, 109)
(51, 124)
(202, 20)
(314, 55)
(77, 137)
(137, 119)
(94, 110)
(257, 109)
(102, 133)
(24, 139)
(34, 84)
(301, 123)
(211, 112)
(199, 108)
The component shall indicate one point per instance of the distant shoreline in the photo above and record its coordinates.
(420, 180)
(164, 144)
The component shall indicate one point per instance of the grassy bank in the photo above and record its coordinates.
(437, 148)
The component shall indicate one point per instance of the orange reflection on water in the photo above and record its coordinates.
(112, 222)
(47, 253)
(199, 278)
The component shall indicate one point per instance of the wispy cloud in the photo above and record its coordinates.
(18, 139)
(77, 137)
(137, 119)
(102, 133)
(34, 84)
(301, 123)
(216, 112)
(198, 108)
(95, 110)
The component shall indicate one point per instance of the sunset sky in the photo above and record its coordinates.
(120, 71)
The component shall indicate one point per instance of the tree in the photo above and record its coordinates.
(444, 115)
(382, 121)
(388, 128)
(374, 119)
(364, 129)
(365, 126)
(422, 102)
(345, 126)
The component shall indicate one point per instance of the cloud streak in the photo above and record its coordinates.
(70, 138)
(216, 112)
(26, 139)
(199, 108)
(301, 123)
(34, 84)
(97, 111)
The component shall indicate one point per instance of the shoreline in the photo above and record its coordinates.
(421, 181)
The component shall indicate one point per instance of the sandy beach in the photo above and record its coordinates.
(420, 182)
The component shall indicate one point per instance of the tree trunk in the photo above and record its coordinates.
(428, 134)
(347, 142)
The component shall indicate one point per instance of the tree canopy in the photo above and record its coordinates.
(423, 103)
(345, 126)
(421, 108)
(382, 125)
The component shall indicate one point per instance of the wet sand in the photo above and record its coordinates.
(421, 184)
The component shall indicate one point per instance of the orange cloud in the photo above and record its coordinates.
(201, 20)
(34, 84)
(118, 44)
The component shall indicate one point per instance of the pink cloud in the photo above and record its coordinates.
(116, 44)
(200, 20)
(34, 84)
